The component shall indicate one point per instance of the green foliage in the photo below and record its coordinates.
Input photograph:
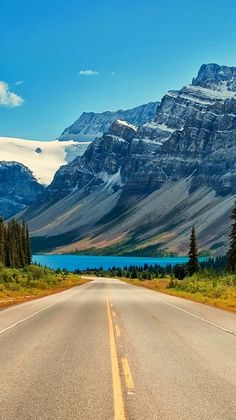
(180, 271)
(232, 250)
(145, 272)
(208, 284)
(14, 244)
(33, 278)
(193, 264)
(172, 284)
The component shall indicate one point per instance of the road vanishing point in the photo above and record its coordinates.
(109, 350)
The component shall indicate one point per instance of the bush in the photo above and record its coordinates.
(180, 271)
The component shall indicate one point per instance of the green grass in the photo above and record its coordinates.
(17, 285)
(204, 287)
(207, 287)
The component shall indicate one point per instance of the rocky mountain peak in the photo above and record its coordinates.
(148, 184)
(123, 129)
(91, 125)
(214, 76)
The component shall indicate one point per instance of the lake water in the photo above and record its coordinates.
(82, 262)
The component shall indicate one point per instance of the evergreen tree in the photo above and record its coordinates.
(15, 250)
(193, 264)
(24, 243)
(2, 241)
(232, 249)
(28, 254)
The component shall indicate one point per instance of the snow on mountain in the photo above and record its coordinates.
(43, 158)
(214, 84)
(91, 124)
(147, 185)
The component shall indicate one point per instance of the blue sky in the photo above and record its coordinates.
(137, 50)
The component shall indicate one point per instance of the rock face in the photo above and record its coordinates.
(213, 76)
(145, 186)
(91, 125)
(207, 146)
(18, 188)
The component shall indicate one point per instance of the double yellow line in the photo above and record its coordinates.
(119, 407)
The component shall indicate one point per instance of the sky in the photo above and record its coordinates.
(59, 59)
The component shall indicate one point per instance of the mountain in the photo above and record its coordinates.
(139, 189)
(43, 158)
(91, 125)
(18, 188)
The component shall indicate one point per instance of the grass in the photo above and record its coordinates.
(204, 287)
(19, 285)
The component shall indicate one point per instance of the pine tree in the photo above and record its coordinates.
(193, 264)
(232, 249)
(15, 250)
(24, 244)
(2, 242)
(28, 249)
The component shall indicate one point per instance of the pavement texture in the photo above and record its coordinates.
(109, 350)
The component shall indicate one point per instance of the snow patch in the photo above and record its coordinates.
(125, 123)
(52, 155)
(153, 125)
(111, 180)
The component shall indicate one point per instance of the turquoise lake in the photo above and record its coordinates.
(82, 262)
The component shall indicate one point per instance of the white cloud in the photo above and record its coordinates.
(8, 98)
(19, 82)
(88, 72)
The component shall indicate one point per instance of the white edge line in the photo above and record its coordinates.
(36, 313)
(198, 317)
(190, 313)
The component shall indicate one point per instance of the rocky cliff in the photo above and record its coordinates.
(18, 188)
(91, 125)
(145, 186)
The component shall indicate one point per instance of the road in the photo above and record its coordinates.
(109, 350)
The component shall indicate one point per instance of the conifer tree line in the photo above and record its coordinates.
(232, 249)
(15, 250)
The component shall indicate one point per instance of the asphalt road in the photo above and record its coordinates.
(109, 350)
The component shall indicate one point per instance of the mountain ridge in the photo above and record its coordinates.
(91, 124)
(117, 192)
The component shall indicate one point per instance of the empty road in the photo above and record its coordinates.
(109, 350)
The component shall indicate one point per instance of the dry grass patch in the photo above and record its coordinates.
(218, 291)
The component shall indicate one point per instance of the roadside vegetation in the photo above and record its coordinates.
(30, 282)
(15, 250)
(19, 279)
(212, 281)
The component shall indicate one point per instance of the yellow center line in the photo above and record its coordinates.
(117, 328)
(127, 374)
(116, 380)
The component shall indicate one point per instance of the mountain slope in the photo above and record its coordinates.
(91, 125)
(136, 187)
(18, 188)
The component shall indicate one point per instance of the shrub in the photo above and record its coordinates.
(180, 271)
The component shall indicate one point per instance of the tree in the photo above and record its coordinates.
(2, 241)
(232, 249)
(180, 271)
(15, 248)
(193, 264)
(134, 273)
